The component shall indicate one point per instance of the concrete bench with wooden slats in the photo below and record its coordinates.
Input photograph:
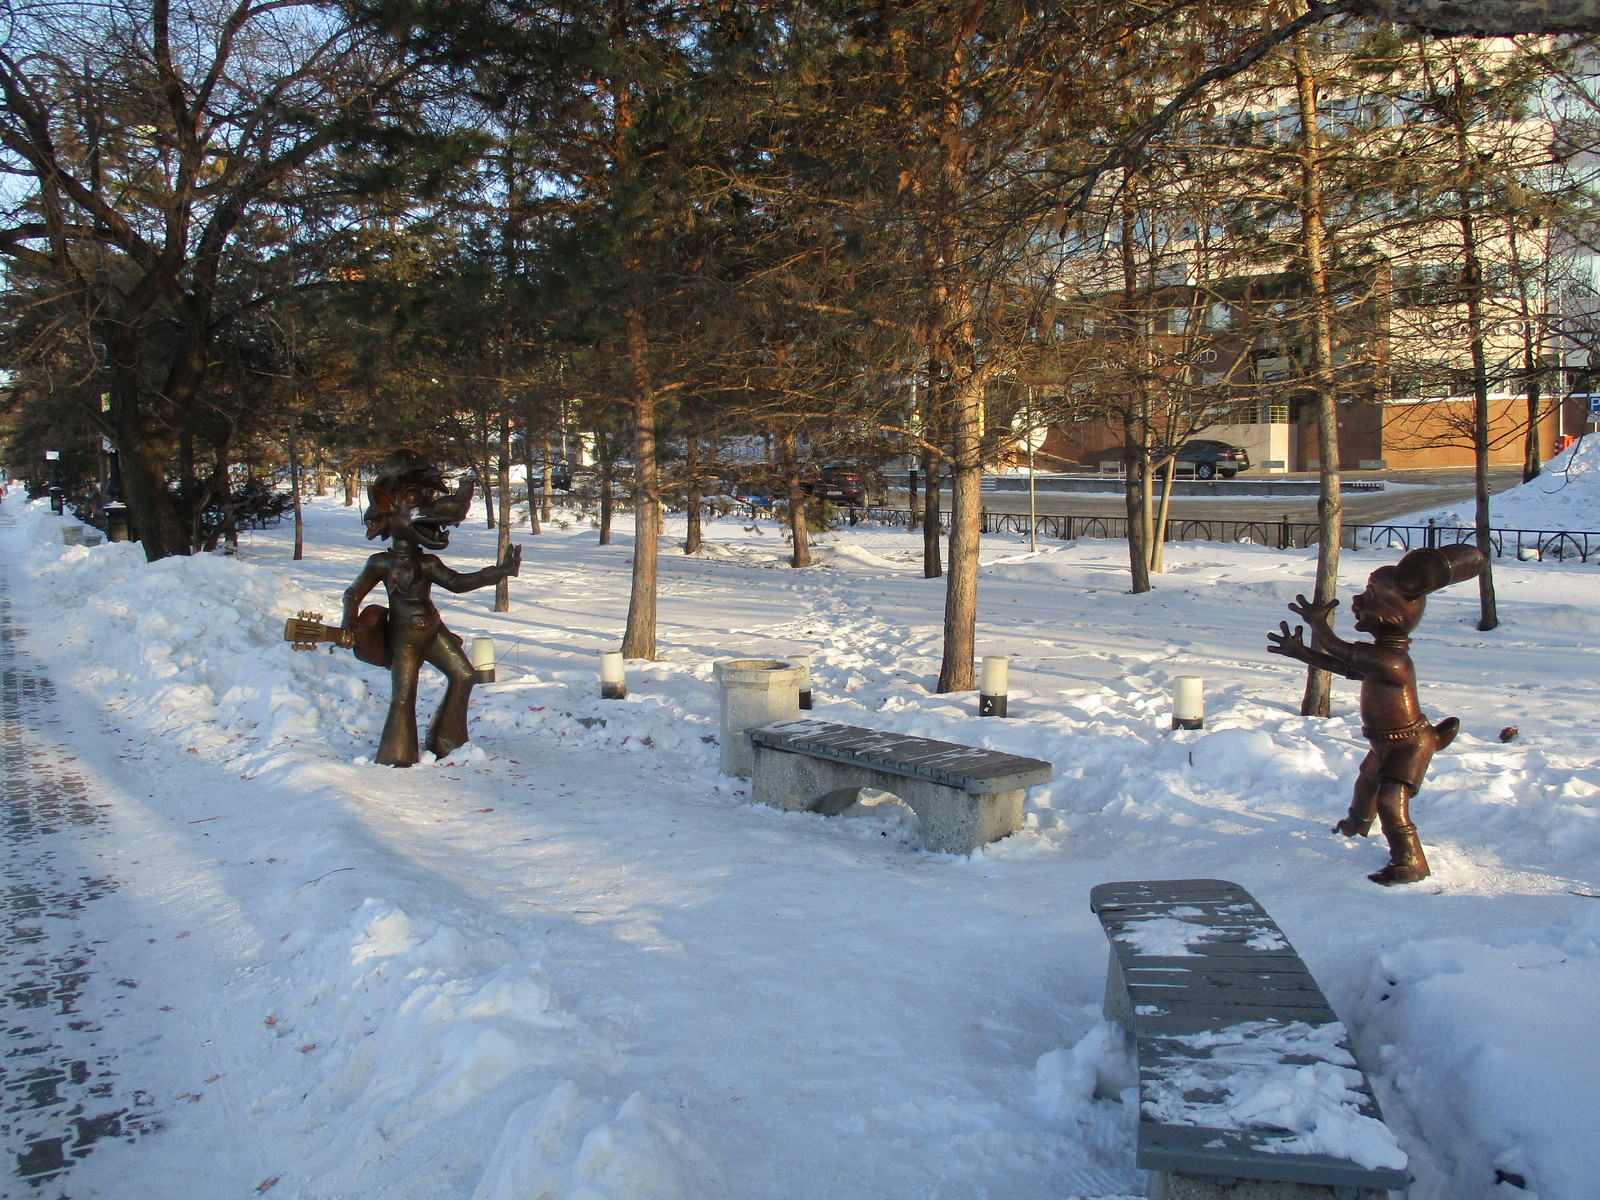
(1225, 1018)
(965, 796)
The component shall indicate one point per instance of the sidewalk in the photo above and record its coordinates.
(62, 1092)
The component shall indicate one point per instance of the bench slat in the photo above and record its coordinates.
(1212, 891)
(1187, 1022)
(1201, 1000)
(971, 768)
(1236, 972)
(1231, 1152)
(1228, 956)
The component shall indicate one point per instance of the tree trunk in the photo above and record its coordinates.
(527, 474)
(1532, 455)
(1488, 608)
(230, 518)
(1158, 526)
(606, 465)
(544, 479)
(294, 488)
(1135, 501)
(932, 520)
(639, 640)
(219, 488)
(956, 672)
(1317, 700)
(1473, 285)
(484, 465)
(150, 509)
(502, 587)
(788, 459)
(692, 541)
(187, 480)
(142, 457)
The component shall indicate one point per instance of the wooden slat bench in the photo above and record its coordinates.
(965, 796)
(1247, 1087)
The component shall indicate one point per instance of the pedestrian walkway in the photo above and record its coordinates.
(59, 1091)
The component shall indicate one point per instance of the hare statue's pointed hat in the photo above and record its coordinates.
(1428, 570)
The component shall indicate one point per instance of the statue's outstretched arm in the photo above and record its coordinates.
(1291, 644)
(458, 581)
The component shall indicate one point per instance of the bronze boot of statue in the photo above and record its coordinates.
(1407, 863)
(1355, 824)
(1363, 807)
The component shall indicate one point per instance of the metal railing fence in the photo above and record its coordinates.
(1556, 545)
(1283, 534)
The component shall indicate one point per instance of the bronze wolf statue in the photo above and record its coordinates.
(412, 507)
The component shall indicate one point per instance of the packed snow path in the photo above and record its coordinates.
(61, 1091)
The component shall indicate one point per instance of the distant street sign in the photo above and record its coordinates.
(1594, 404)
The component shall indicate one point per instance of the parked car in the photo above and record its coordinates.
(1203, 457)
(843, 485)
(750, 483)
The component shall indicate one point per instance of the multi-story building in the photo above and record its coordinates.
(1445, 188)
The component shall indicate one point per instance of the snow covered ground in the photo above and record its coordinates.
(574, 962)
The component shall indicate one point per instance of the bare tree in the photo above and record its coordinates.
(148, 145)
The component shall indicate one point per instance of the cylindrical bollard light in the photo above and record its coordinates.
(755, 692)
(483, 658)
(992, 685)
(803, 661)
(1188, 702)
(613, 676)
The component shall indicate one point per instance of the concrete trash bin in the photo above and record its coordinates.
(755, 691)
(117, 522)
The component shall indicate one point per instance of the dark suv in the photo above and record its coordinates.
(843, 485)
(1204, 457)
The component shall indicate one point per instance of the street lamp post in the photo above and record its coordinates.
(57, 505)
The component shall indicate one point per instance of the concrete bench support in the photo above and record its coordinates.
(965, 796)
(1214, 999)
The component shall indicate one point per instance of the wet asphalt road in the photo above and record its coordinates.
(1414, 491)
